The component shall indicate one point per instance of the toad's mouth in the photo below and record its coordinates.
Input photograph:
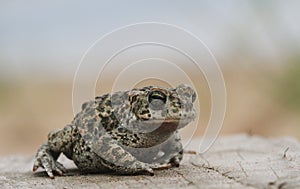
(164, 124)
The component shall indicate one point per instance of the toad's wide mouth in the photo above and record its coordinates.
(164, 124)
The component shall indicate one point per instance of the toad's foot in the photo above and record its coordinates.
(45, 159)
(158, 166)
(192, 152)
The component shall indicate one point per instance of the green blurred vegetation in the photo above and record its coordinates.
(7, 92)
(288, 87)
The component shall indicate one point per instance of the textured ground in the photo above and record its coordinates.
(238, 161)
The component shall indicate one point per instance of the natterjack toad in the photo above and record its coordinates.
(127, 132)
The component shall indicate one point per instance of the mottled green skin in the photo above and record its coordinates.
(127, 132)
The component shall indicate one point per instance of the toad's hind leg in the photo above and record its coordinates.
(46, 157)
(116, 158)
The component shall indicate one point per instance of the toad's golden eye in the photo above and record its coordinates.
(157, 100)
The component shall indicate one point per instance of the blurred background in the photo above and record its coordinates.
(257, 44)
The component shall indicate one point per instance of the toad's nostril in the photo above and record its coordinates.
(194, 96)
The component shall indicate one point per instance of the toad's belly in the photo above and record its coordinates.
(86, 159)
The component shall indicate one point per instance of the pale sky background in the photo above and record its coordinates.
(50, 37)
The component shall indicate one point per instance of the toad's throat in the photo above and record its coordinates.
(157, 132)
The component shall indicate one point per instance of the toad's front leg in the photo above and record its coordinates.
(172, 151)
(46, 157)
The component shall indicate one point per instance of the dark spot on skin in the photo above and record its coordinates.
(107, 103)
(121, 130)
(89, 158)
(105, 119)
(175, 110)
(136, 136)
(100, 109)
(84, 105)
(145, 112)
(133, 99)
(96, 132)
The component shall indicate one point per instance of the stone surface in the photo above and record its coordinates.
(238, 161)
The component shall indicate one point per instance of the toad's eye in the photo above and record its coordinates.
(157, 100)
